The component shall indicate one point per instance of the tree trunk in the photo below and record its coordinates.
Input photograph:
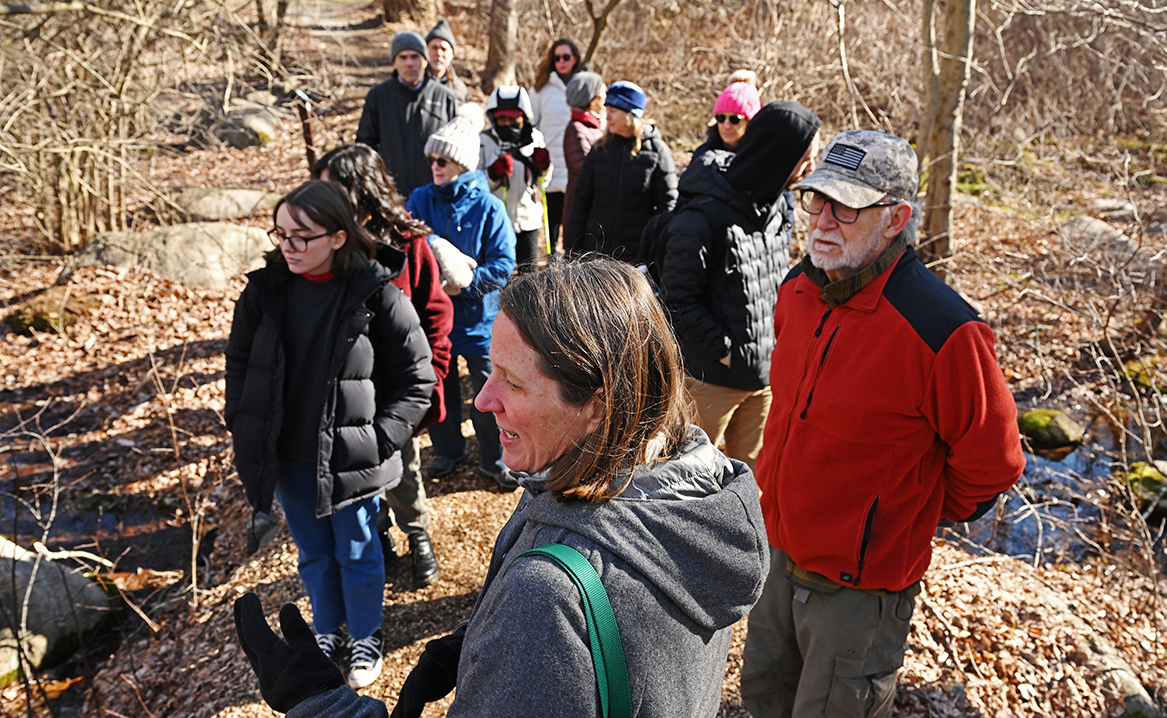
(423, 13)
(503, 35)
(944, 141)
(931, 80)
(599, 24)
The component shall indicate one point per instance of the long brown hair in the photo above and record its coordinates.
(547, 66)
(600, 333)
(327, 204)
(361, 171)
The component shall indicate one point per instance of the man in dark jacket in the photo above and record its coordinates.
(890, 413)
(401, 113)
(728, 249)
(442, 46)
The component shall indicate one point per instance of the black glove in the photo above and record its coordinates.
(434, 676)
(288, 672)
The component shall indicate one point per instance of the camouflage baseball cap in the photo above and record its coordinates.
(859, 167)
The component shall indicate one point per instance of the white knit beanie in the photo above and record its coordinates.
(458, 138)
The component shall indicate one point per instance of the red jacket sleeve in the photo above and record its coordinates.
(435, 311)
(973, 412)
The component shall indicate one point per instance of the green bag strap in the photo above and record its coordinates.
(603, 633)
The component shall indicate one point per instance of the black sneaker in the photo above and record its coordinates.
(331, 644)
(425, 564)
(364, 663)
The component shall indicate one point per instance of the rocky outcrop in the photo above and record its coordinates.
(214, 204)
(51, 620)
(1050, 428)
(205, 254)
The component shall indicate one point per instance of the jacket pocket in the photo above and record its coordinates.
(819, 371)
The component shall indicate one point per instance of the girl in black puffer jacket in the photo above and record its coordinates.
(628, 177)
(328, 373)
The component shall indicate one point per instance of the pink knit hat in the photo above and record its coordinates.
(740, 98)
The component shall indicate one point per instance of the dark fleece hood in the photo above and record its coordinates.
(774, 142)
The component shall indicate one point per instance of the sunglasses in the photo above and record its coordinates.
(733, 119)
(564, 58)
(814, 203)
(439, 161)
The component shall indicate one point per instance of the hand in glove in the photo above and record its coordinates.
(541, 159)
(457, 269)
(434, 676)
(501, 168)
(288, 672)
(260, 528)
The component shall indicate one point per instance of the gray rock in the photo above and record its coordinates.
(247, 124)
(1092, 231)
(1113, 209)
(206, 254)
(1050, 428)
(212, 203)
(64, 608)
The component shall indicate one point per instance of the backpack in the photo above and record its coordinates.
(654, 241)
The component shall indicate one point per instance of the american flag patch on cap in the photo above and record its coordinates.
(848, 156)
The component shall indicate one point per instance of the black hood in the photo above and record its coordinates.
(707, 176)
(774, 142)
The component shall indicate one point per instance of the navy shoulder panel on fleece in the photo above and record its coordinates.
(929, 305)
(793, 273)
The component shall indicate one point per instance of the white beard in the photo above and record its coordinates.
(854, 255)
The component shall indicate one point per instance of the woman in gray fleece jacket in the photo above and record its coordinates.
(587, 390)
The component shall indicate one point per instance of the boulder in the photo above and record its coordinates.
(213, 204)
(206, 254)
(1050, 428)
(1147, 481)
(1113, 210)
(52, 310)
(1093, 231)
(64, 608)
(247, 124)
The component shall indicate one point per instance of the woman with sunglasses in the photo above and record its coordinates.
(474, 242)
(551, 115)
(328, 373)
(735, 107)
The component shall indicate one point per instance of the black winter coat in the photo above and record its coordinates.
(616, 194)
(379, 386)
(397, 121)
(724, 262)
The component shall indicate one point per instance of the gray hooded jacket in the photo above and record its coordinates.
(683, 555)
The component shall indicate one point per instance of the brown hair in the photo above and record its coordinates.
(327, 204)
(547, 66)
(599, 332)
(361, 171)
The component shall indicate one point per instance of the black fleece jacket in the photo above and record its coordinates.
(378, 385)
(729, 247)
(617, 193)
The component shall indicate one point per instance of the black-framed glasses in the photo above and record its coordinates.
(299, 244)
(813, 202)
(437, 160)
(564, 58)
(734, 119)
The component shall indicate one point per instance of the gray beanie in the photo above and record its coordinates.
(458, 138)
(582, 88)
(443, 31)
(407, 40)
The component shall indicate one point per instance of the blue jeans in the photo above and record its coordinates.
(341, 562)
(447, 436)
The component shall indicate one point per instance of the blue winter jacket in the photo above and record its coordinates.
(475, 221)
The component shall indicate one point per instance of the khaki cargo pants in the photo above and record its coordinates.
(823, 652)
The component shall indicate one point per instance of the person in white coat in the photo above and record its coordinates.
(518, 163)
(551, 115)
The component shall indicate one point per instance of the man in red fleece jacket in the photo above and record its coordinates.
(889, 414)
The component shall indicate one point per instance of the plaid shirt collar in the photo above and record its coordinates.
(837, 293)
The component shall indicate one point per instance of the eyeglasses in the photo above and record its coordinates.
(436, 160)
(299, 244)
(564, 58)
(813, 202)
(733, 119)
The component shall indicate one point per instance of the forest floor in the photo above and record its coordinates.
(122, 411)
